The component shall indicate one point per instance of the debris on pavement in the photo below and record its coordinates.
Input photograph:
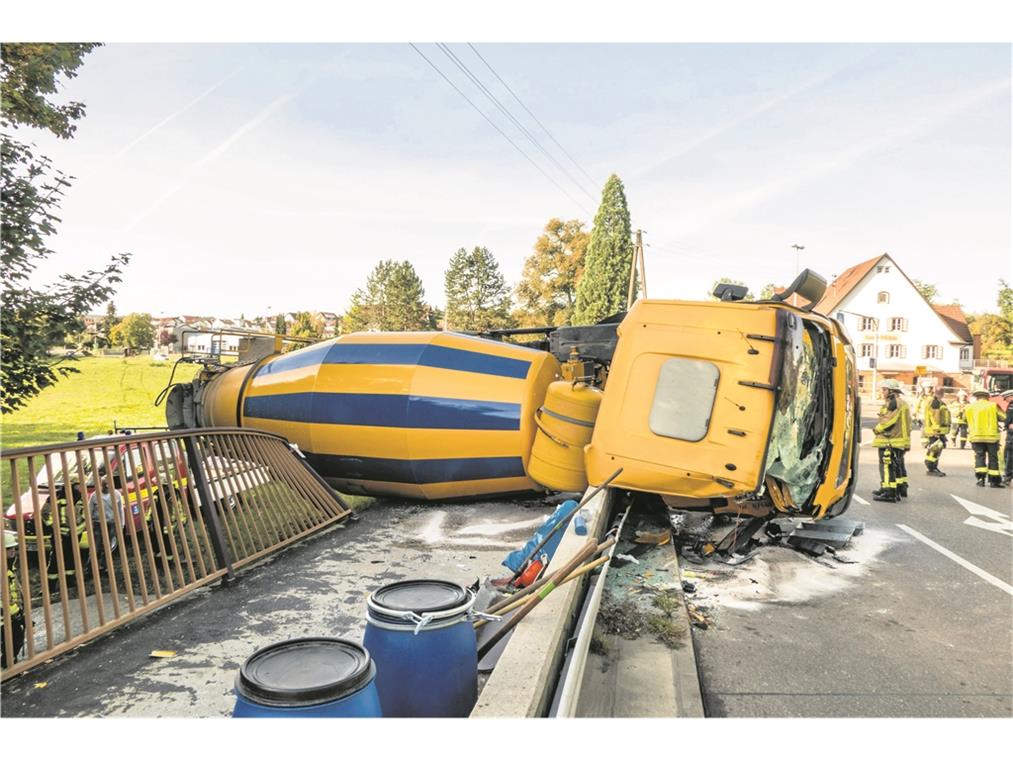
(657, 538)
(625, 559)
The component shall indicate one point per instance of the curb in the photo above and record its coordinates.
(523, 682)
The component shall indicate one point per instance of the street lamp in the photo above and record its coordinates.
(798, 248)
(875, 350)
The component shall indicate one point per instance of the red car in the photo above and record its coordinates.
(139, 468)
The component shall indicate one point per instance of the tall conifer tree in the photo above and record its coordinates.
(603, 288)
(390, 302)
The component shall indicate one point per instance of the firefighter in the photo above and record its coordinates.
(1007, 477)
(937, 425)
(68, 534)
(903, 447)
(15, 612)
(921, 401)
(893, 436)
(959, 428)
(984, 421)
(919, 405)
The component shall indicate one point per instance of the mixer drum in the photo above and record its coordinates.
(431, 415)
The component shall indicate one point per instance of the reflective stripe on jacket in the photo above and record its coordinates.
(983, 421)
(894, 427)
(12, 589)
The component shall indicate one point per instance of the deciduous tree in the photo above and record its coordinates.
(305, 325)
(134, 331)
(477, 295)
(603, 287)
(1005, 301)
(35, 318)
(166, 338)
(548, 288)
(996, 333)
(927, 289)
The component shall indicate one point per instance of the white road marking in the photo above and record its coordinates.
(999, 584)
(997, 522)
(860, 500)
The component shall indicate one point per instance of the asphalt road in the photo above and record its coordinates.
(921, 625)
(317, 587)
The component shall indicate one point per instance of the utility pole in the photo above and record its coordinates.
(798, 248)
(637, 266)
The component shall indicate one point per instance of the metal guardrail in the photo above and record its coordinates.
(111, 528)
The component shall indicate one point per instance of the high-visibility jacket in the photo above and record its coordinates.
(957, 413)
(920, 405)
(65, 527)
(984, 420)
(937, 418)
(15, 596)
(894, 427)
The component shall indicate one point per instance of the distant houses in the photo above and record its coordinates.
(210, 334)
(895, 329)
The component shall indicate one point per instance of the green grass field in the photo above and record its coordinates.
(106, 389)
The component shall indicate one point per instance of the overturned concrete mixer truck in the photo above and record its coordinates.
(749, 407)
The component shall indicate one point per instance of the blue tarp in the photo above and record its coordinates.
(515, 560)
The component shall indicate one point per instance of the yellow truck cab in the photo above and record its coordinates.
(736, 401)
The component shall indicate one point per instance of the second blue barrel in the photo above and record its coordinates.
(422, 640)
(307, 678)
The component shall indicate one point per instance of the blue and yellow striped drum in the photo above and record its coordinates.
(428, 415)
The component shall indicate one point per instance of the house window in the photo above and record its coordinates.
(867, 323)
(932, 352)
(883, 268)
(896, 351)
(883, 297)
(867, 349)
(965, 353)
(898, 324)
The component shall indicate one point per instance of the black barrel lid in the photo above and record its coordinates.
(420, 596)
(302, 672)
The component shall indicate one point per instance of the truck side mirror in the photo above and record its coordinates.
(725, 291)
(807, 285)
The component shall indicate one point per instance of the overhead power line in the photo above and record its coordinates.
(532, 115)
(506, 112)
(502, 133)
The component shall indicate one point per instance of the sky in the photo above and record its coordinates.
(258, 178)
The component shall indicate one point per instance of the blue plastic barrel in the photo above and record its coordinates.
(308, 678)
(424, 646)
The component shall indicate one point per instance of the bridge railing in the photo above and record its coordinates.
(109, 529)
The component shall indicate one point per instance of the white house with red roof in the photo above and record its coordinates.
(892, 323)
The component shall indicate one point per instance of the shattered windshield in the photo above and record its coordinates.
(800, 435)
